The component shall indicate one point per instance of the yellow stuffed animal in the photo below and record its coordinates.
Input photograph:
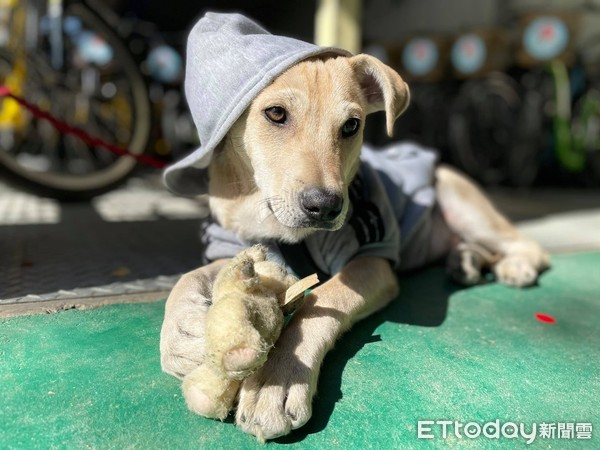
(242, 324)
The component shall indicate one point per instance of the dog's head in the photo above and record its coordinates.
(300, 140)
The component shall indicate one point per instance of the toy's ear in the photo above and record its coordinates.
(383, 88)
(247, 274)
(245, 265)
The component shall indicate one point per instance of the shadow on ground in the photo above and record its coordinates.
(423, 302)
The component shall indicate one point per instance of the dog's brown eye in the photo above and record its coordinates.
(350, 127)
(276, 114)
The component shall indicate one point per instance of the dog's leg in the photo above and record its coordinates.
(182, 338)
(278, 397)
(487, 237)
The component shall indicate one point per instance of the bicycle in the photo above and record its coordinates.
(66, 57)
(576, 128)
(546, 111)
(496, 129)
(573, 106)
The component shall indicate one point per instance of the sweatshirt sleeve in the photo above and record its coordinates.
(218, 242)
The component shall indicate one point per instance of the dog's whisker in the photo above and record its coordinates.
(271, 204)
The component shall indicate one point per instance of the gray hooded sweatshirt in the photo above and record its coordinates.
(230, 59)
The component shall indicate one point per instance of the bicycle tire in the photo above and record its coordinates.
(531, 134)
(481, 106)
(76, 187)
(586, 128)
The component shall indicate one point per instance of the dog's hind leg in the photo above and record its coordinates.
(485, 237)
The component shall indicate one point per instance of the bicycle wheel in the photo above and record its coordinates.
(586, 131)
(100, 89)
(482, 125)
(531, 133)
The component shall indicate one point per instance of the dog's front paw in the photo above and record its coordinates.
(464, 265)
(515, 271)
(276, 399)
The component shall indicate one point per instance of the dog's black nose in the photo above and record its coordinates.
(321, 204)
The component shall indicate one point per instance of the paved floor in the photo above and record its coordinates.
(134, 242)
(562, 220)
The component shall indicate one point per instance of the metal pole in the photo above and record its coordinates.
(338, 24)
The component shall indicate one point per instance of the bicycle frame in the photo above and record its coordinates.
(573, 142)
(11, 114)
(587, 132)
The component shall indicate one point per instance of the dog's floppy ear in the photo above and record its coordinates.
(382, 86)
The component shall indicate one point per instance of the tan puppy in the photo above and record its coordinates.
(287, 141)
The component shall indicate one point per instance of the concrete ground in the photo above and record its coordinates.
(562, 220)
(132, 243)
(128, 245)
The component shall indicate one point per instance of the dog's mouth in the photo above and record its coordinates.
(296, 220)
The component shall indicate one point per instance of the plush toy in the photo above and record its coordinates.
(243, 323)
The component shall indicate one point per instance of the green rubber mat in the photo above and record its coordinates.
(91, 379)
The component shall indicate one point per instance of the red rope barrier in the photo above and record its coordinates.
(93, 141)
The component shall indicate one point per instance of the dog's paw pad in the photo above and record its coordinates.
(515, 271)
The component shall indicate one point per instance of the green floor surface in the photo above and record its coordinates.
(91, 379)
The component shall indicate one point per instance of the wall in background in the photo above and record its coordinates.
(588, 32)
(389, 20)
(386, 20)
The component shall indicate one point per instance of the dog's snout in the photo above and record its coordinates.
(320, 204)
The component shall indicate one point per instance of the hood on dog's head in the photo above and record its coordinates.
(230, 59)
